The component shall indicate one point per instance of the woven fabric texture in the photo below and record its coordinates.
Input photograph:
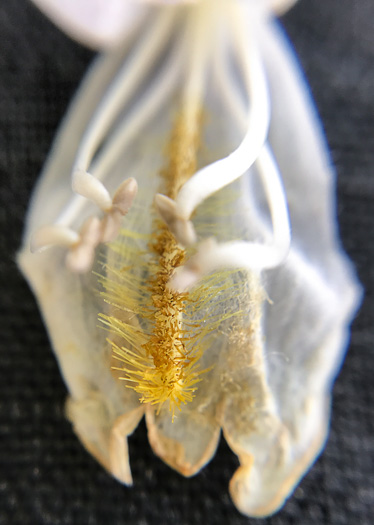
(46, 476)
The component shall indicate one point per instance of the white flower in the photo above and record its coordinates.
(216, 317)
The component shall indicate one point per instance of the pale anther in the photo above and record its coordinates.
(124, 196)
(80, 257)
(53, 235)
(253, 256)
(121, 203)
(181, 228)
(92, 189)
(94, 231)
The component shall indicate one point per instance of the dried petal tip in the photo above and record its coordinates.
(180, 227)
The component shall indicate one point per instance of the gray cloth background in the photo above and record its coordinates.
(46, 477)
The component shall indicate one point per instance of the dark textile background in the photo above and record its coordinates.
(46, 477)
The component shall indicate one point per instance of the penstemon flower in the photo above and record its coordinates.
(194, 274)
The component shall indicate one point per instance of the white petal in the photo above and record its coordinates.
(95, 23)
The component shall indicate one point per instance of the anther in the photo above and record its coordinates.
(180, 227)
(120, 206)
(94, 231)
(80, 257)
(92, 189)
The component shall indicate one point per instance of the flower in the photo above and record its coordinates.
(212, 315)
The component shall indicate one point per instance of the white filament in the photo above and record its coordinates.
(141, 112)
(224, 171)
(199, 42)
(242, 254)
(125, 84)
(120, 91)
(256, 256)
(212, 256)
(265, 164)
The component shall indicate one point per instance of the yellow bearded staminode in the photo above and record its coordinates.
(155, 342)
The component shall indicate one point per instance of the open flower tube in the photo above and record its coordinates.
(182, 245)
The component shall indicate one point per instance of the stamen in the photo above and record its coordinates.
(182, 230)
(85, 183)
(242, 254)
(212, 256)
(81, 246)
(141, 113)
(94, 231)
(123, 87)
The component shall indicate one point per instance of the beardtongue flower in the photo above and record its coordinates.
(172, 286)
